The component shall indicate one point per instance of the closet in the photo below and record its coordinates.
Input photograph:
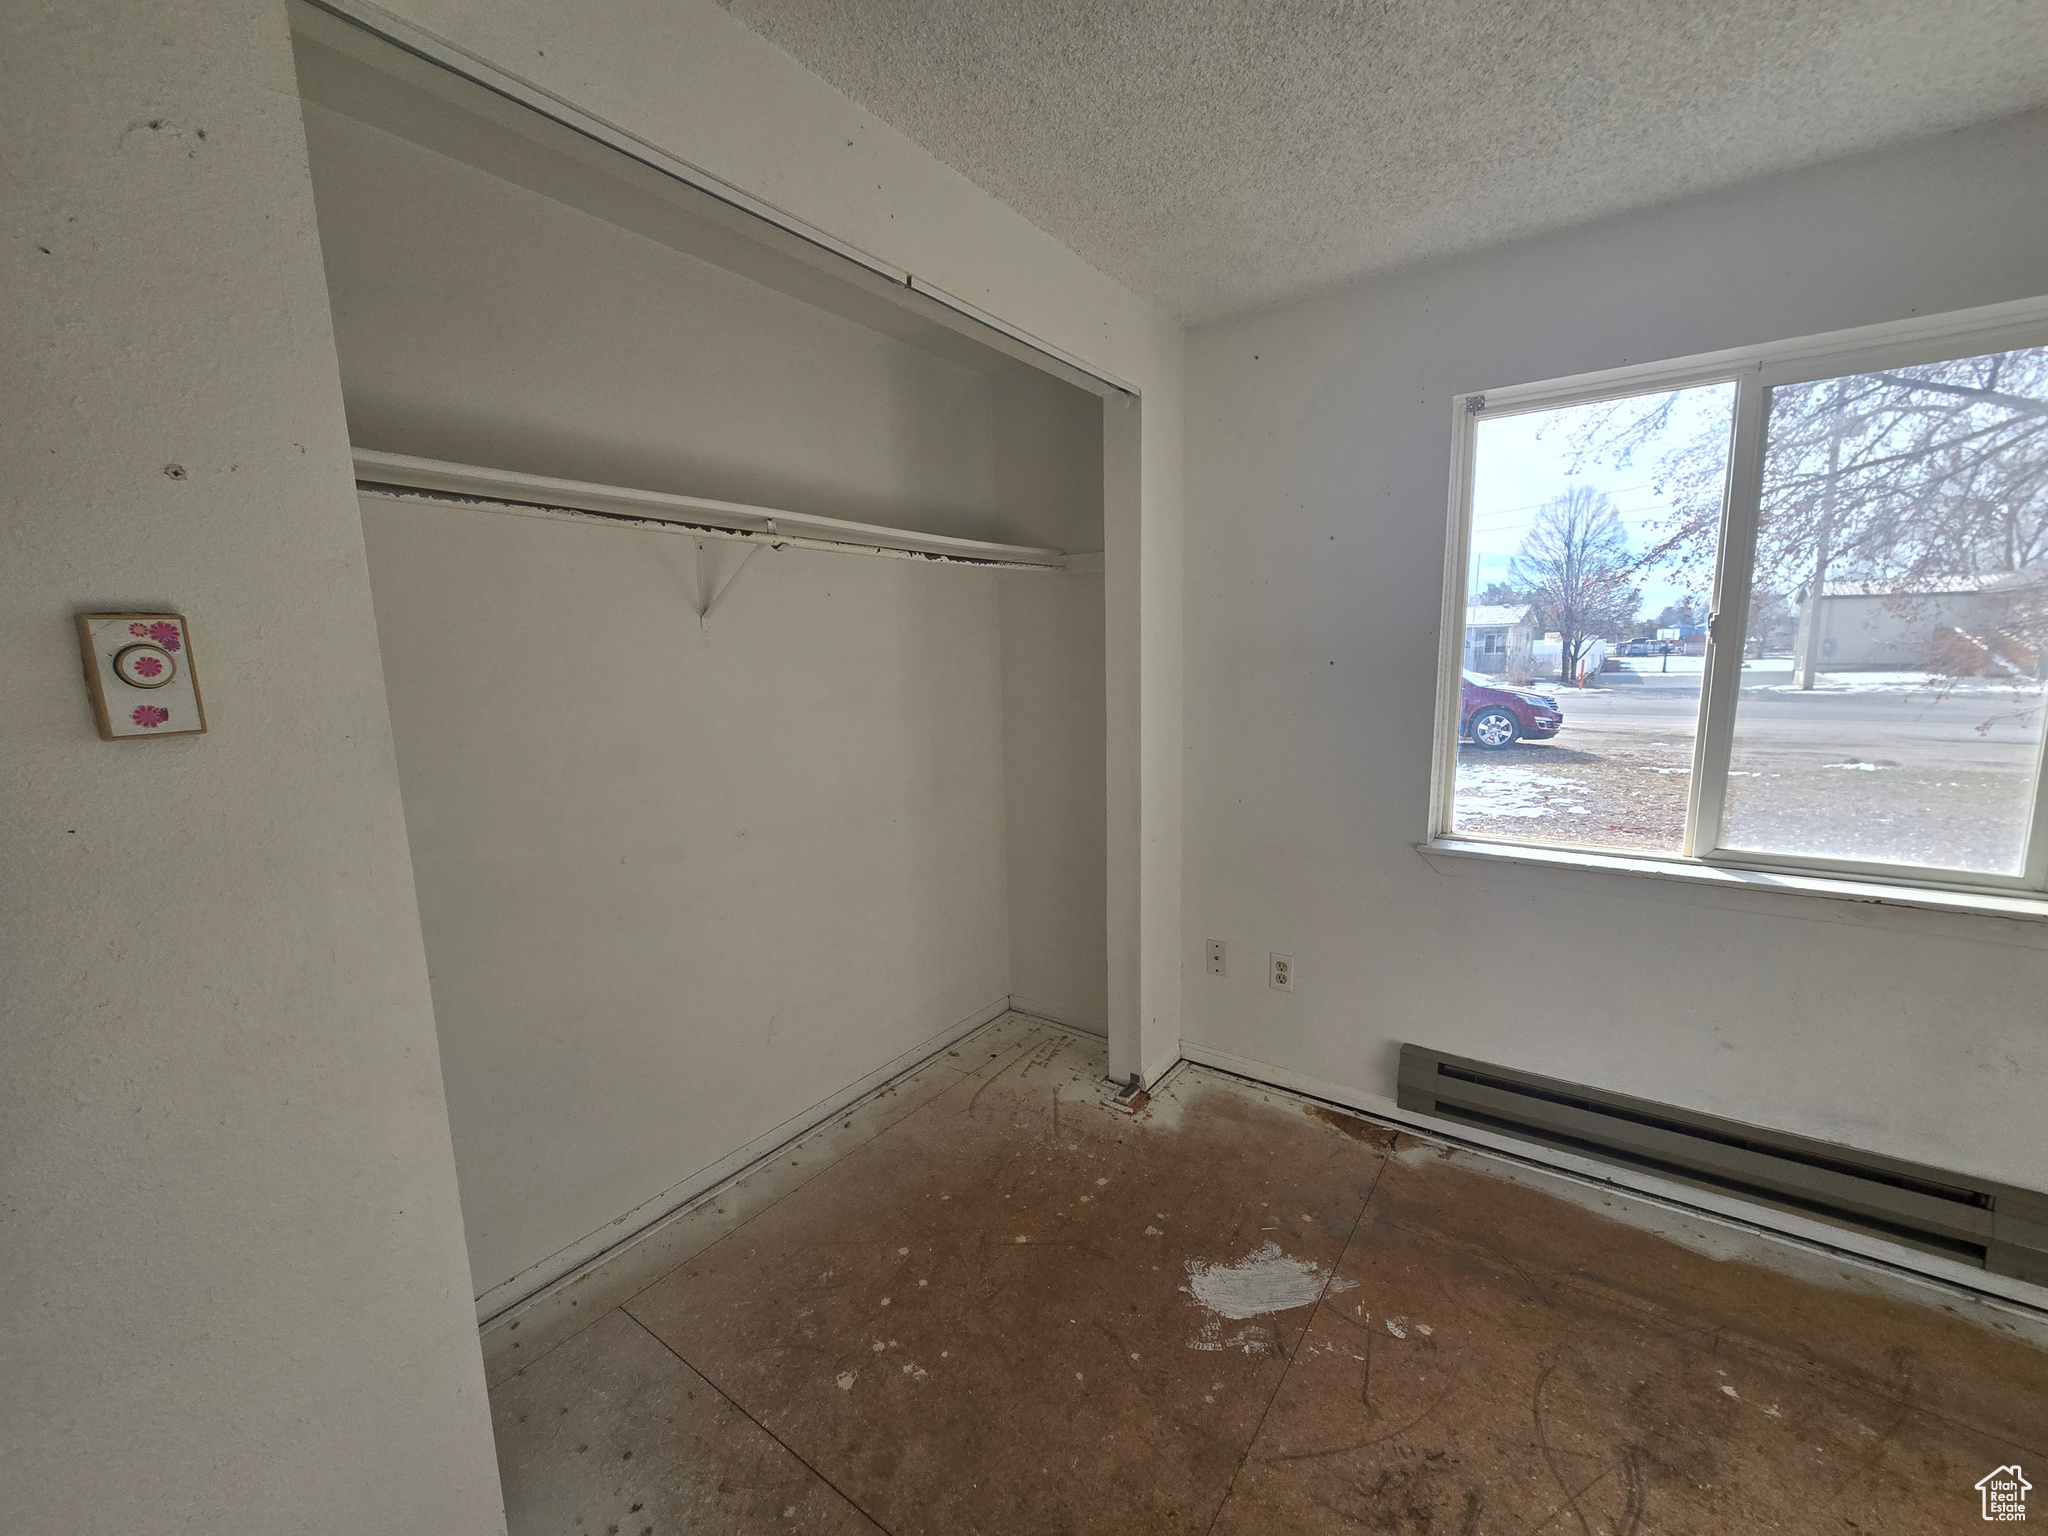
(741, 611)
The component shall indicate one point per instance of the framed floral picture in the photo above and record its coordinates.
(140, 675)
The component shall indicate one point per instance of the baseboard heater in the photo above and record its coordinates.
(1996, 1227)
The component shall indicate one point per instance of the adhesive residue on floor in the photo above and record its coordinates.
(1263, 1282)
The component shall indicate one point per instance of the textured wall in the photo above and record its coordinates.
(1319, 459)
(233, 1292)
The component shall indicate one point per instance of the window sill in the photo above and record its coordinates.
(1453, 856)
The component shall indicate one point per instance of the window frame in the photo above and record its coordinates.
(1754, 371)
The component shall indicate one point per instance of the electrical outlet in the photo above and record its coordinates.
(1216, 957)
(1281, 975)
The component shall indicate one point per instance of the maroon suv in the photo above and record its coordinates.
(1494, 718)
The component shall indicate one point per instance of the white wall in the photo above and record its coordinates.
(1055, 796)
(1318, 465)
(1048, 465)
(233, 1295)
(678, 885)
(1047, 461)
(693, 81)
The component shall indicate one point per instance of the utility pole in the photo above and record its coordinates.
(1809, 653)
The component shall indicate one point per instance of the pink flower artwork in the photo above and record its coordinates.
(138, 629)
(148, 666)
(164, 634)
(150, 716)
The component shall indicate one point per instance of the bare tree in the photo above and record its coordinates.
(1773, 621)
(1915, 477)
(1685, 615)
(1575, 563)
(1504, 594)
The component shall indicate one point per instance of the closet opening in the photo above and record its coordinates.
(743, 617)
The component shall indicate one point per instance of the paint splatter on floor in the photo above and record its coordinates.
(1262, 1282)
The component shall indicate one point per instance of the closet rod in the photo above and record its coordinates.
(401, 477)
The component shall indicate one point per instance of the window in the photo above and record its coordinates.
(1785, 609)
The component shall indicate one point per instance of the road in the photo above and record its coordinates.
(1851, 716)
(1868, 766)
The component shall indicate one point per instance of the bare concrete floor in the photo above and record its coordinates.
(992, 1302)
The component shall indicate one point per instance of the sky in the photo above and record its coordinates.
(1521, 462)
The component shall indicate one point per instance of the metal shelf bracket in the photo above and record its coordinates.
(709, 597)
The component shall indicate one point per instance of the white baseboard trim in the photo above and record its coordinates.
(1038, 1010)
(1704, 1202)
(622, 1229)
(1154, 1072)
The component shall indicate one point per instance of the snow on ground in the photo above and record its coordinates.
(1774, 674)
(1488, 789)
(1662, 666)
(1900, 682)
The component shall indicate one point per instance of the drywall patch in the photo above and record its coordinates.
(1264, 1281)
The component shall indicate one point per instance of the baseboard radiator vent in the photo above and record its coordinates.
(1996, 1227)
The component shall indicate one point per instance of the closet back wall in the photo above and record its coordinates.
(678, 886)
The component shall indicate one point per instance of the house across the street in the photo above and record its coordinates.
(1958, 626)
(1499, 638)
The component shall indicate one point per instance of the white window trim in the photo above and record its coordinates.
(1754, 371)
(1458, 856)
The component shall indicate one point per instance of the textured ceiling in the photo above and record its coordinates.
(1213, 155)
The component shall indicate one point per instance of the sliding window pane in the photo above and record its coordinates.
(1591, 558)
(1891, 707)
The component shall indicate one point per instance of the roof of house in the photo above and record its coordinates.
(1483, 615)
(1933, 586)
(2010, 582)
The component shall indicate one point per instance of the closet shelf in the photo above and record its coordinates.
(401, 477)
